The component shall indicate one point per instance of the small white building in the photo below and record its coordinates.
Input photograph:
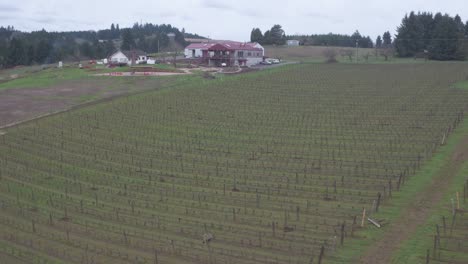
(293, 42)
(131, 57)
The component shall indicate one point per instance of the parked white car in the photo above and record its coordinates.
(274, 61)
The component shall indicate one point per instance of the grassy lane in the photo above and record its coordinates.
(408, 209)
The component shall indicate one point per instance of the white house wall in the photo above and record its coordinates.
(253, 61)
(119, 57)
(189, 53)
(260, 47)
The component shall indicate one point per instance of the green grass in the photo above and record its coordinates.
(414, 249)
(53, 76)
(45, 78)
(6, 74)
(393, 208)
(462, 85)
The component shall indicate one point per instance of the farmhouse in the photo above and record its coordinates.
(128, 57)
(231, 53)
(293, 42)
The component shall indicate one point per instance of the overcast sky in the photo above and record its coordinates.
(222, 19)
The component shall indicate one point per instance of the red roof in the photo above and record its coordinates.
(219, 46)
(225, 45)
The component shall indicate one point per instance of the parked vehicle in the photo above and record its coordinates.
(266, 62)
(274, 61)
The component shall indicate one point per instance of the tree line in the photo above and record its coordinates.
(439, 37)
(277, 36)
(422, 34)
(39, 47)
(273, 36)
(336, 40)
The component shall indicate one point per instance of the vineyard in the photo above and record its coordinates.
(267, 167)
(450, 234)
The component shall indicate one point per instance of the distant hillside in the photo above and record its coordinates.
(39, 47)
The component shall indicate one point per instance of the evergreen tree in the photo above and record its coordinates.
(447, 42)
(426, 20)
(30, 54)
(256, 35)
(142, 43)
(16, 53)
(42, 51)
(87, 50)
(387, 39)
(3, 52)
(128, 42)
(49, 47)
(356, 37)
(459, 24)
(154, 45)
(277, 35)
(466, 29)
(441, 36)
(267, 38)
(109, 48)
(378, 42)
(410, 35)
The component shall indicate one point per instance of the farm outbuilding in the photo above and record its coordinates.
(293, 42)
(130, 57)
(231, 53)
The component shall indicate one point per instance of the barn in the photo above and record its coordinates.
(128, 57)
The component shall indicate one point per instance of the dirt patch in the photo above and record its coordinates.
(17, 105)
(418, 210)
(461, 153)
(129, 74)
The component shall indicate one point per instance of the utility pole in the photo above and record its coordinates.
(357, 50)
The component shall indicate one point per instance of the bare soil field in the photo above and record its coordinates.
(306, 53)
(18, 105)
(129, 74)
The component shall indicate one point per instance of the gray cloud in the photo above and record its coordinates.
(186, 17)
(167, 14)
(215, 4)
(44, 20)
(324, 17)
(249, 12)
(4, 8)
(6, 17)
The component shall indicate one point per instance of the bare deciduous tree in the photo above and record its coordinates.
(330, 54)
(386, 52)
(174, 57)
(366, 56)
(347, 53)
